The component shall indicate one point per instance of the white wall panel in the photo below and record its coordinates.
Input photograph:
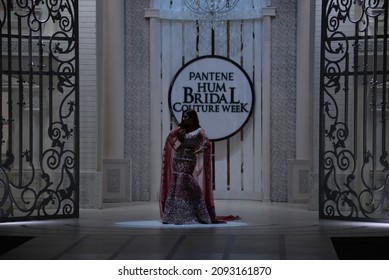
(237, 159)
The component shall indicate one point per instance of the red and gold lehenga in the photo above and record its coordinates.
(186, 194)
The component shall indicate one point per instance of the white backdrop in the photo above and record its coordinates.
(240, 161)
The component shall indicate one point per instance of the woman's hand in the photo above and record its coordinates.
(190, 151)
(181, 134)
(198, 151)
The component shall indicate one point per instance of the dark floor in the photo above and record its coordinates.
(267, 231)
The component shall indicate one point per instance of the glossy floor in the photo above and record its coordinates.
(266, 231)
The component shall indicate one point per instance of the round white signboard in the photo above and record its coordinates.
(218, 89)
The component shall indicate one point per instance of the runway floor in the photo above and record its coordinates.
(266, 231)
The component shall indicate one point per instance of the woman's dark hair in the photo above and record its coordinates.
(192, 114)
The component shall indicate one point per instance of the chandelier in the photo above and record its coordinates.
(211, 12)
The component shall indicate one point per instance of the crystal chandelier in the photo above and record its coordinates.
(211, 12)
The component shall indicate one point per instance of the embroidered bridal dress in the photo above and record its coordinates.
(186, 186)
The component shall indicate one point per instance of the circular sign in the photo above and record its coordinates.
(218, 89)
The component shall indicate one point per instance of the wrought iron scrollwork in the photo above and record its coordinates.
(39, 161)
(354, 168)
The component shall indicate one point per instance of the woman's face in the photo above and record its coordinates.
(186, 119)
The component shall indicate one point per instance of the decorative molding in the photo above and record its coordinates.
(25, 47)
(90, 190)
(187, 15)
(117, 179)
(269, 12)
(372, 46)
(313, 191)
(298, 181)
(152, 13)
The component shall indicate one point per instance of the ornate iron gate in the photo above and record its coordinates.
(39, 167)
(354, 130)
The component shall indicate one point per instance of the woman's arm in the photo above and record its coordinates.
(204, 143)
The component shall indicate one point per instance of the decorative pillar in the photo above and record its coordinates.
(267, 13)
(298, 168)
(113, 60)
(116, 169)
(303, 80)
(155, 102)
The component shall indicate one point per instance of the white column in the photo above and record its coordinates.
(113, 85)
(155, 102)
(303, 105)
(117, 170)
(266, 100)
(303, 80)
